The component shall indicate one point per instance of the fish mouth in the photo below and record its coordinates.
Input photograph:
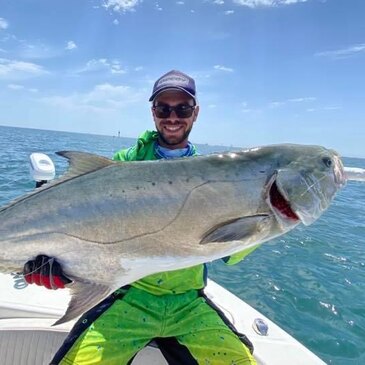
(280, 204)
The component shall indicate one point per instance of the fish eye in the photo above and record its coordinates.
(327, 161)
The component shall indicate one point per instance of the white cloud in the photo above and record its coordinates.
(245, 108)
(121, 6)
(332, 107)
(109, 93)
(11, 69)
(38, 50)
(102, 98)
(325, 108)
(103, 64)
(180, 2)
(223, 68)
(344, 52)
(216, 2)
(288, 2)
(229, 12)
(21, 87)
(116, 22)
(306, 99)
(15, 87)
(266, 3)
(10, 38)
(3, 23)
(276, 104)
(71, 45)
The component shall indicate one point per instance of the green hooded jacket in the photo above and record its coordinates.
(170, 282)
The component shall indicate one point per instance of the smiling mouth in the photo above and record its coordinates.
(172, 128)
(279, 202)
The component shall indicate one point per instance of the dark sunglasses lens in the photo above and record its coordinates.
(162, 111)
(184, 111)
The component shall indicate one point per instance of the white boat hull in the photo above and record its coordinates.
(27, 338)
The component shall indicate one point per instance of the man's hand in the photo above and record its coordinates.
(45, 271)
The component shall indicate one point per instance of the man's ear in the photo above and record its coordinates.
(196, 112)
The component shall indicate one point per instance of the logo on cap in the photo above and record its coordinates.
(173, 81)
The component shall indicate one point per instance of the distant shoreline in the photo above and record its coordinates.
(221, 148)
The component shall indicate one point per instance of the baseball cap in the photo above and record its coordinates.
(174, 80)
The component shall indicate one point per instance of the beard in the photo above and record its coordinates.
(173, 141)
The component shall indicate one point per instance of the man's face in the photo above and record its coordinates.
(174, 130)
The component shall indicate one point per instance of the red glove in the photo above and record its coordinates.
(45, 271)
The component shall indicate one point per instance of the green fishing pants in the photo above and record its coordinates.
(187, 328)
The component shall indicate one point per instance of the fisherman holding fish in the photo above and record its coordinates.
(168, 307)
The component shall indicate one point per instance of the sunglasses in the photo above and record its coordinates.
(181, 110)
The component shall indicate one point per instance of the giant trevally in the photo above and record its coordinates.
(111, 223)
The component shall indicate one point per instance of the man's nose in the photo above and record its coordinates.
(173, 116)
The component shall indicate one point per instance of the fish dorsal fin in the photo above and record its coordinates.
(82, 163)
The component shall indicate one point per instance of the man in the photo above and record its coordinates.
(168, 307)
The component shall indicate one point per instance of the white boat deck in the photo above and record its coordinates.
(27, 338)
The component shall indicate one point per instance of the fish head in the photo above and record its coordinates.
(304, 188)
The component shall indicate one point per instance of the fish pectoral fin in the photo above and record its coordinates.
(82, 163)
(236, 229)
(84, 296)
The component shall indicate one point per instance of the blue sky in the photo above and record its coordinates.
(267, 71)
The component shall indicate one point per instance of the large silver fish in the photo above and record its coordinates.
(110, 223)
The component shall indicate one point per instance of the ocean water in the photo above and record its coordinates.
(311, 281)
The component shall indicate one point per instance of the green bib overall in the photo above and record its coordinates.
(169, 308)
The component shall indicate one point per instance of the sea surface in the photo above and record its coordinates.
(311, 281)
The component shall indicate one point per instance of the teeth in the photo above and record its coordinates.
(172, 129)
